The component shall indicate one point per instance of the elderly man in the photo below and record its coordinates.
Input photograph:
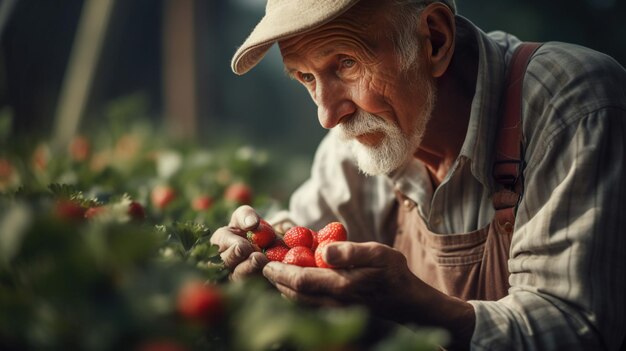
(481, 185)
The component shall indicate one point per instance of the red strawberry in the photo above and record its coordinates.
(300, 256)
(333, 231)
(239, 193)
(263, 235)
(80, 148)
(40, 158)
(277, 251)
(94, 211)
(298, 236)
(319, 260)
(202, 202)
(136, 211)
(200, 302)
(6, 169)
(69, 210)
(162, 195)
(315, 242)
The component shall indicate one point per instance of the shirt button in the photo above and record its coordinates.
(407, 203)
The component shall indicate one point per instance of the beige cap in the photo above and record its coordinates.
(286, 18)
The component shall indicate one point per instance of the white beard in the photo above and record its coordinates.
(395, 148)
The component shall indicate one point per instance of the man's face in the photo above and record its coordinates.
(351, 70)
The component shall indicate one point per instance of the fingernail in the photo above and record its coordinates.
(267, 269)
(330, 252)
(249, 221)
(271, 265)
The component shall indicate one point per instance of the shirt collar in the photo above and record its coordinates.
(484, 113)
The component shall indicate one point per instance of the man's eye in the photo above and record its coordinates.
(347, 63)
(307, 77)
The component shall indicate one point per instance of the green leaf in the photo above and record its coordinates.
(64, 191)
(187, 233)
(71, 193)
(414, 339)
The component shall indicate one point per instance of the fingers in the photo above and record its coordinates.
(252, 265)
(363, 262)
(236, 254)
(244, 218)
(307, 280)
(369, 273)
(347, 254)
(233, 246)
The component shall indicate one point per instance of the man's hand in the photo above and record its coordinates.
(239, 255)
(366, 273)
(377, 276)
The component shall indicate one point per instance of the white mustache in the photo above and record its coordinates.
(363, 123)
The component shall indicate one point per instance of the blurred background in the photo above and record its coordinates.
(64, 62)
(126, 140)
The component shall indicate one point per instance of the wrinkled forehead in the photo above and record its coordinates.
(357, 29)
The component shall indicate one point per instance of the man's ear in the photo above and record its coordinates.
(437, 28)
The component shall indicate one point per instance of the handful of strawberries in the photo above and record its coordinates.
(299, 246)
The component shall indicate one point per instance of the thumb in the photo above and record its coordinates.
(244, 218)
(344, 254)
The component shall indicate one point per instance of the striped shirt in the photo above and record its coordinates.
(568, 251)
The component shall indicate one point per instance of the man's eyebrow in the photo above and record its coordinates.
(290, 72)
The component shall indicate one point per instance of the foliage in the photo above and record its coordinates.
(91, 259)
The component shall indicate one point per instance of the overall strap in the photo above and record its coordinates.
(508, 165)
(509, 152)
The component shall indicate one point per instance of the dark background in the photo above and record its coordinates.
(263, 107)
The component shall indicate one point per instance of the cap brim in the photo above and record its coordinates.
(287, 19)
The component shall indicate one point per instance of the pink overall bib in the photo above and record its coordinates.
(473, 266)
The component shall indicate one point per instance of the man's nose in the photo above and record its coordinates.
(333, 102)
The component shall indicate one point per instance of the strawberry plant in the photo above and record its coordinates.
(239, 193)
(96, 253)
(200, 302)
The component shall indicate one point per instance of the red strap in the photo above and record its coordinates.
(508, 156)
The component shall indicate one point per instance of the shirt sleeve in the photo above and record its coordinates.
(338, 191)
(567, 261)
